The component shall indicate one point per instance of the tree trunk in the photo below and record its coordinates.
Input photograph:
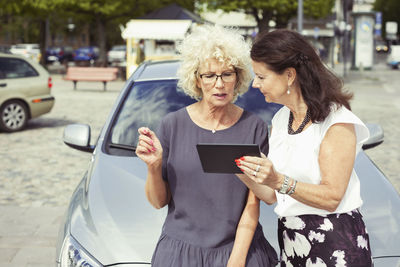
(102, 41)
(262, 23)
(42, 41)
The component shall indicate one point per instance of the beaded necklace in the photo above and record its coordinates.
(307, 118)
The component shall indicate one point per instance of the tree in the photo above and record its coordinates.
(390, 11)
(281, 11)
(34, 17)
(115, 12)
(30, 13)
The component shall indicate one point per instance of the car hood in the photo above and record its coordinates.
(112, 218)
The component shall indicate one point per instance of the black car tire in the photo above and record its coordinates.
(13, 116)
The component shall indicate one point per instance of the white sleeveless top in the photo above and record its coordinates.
(296, 156)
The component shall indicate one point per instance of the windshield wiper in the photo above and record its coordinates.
(121, 146)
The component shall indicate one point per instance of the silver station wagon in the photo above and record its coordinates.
(109, 221)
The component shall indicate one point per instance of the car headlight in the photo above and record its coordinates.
(74, 255)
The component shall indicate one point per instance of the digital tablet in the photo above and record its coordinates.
(220, 158)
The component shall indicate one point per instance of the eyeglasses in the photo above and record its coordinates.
(226, 77)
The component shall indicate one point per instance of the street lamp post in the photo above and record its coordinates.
(345, 36)
(70, 25)
(300, 16)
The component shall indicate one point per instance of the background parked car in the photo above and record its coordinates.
(117, 55)
(381, 46)
(24, 91)
(31, 51)
(87, 53)
(60, 54)
(109, 220)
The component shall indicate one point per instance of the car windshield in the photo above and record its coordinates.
(145, 105)
(149, 101)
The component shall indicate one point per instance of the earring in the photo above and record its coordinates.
(288, 90)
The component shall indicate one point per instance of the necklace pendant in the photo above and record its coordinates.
(213, 131)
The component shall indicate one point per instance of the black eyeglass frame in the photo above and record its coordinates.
(218, 76)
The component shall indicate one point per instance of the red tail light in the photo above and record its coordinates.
(49, 83)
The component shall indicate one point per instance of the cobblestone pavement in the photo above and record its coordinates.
(377, 100)
(38, 172)
(37, 168)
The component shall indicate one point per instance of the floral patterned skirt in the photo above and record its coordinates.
(324, 240)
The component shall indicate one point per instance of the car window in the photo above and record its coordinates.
(84, 50)
(16, 68)
(145, 105)
(20, 46)
(118, 48)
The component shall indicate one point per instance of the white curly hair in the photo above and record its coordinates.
(213, 42)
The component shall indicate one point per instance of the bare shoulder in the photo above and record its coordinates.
(339, 137)
(340, 130)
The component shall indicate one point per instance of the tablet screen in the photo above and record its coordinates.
(220, 158)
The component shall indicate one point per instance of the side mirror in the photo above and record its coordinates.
(78, 136)
(376, 136)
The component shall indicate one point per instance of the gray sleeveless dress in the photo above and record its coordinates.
(205, 208)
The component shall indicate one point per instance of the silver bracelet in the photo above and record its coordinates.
(292, 187)
(285, 185)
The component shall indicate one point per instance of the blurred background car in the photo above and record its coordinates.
(87, 53)
(381, 46)
(62, 54)
(31, 51)
(24, 91)
(117, 55)
(109, 221)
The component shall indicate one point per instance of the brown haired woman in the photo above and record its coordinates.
(313, 144)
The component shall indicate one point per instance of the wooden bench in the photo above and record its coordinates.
(91, 74)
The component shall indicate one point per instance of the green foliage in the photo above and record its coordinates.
(281, 11)
(22, 19)
(7, 7)
(318, 8)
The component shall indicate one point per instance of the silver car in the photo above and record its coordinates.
(109, 221)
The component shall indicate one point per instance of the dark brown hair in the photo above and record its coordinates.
(320, 87)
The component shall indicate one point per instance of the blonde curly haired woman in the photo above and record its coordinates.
(212, 218)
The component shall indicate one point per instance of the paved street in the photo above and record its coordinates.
(377, 100)
(38, 172)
